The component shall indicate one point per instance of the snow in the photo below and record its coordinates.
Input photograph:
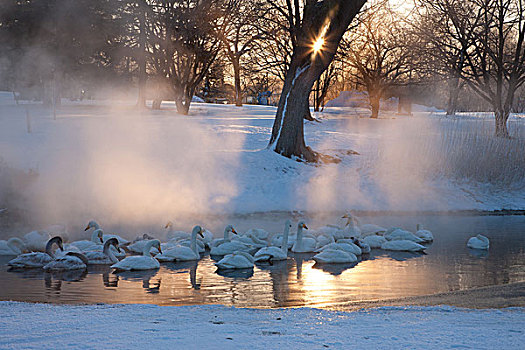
(44, 326)
(110, 162)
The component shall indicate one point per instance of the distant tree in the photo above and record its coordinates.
(238, 32)
(483, 41)
(318, 27)
(376, 51)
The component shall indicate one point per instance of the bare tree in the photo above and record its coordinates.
(238, 32)
(377, 52)
(318, 27)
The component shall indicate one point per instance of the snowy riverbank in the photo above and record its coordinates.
(45, 326)
(120, 166)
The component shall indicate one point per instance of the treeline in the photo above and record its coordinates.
(457, 53)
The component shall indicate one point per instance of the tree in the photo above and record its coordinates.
(320, 25)
(488, 37)
(238, 33)
(377, 52)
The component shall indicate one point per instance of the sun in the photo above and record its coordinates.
(318, 45)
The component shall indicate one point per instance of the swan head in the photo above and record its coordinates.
(56, 240)
(169, 224)
(198, 231)
(113, 242)
(288, 224)
(230, 228)
(91, 224)
(301, 224)
(156, 244)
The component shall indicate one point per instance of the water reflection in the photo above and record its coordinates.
(298, 281)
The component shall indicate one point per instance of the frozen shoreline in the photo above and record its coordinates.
(46, 326)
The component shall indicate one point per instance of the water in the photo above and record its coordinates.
(449, 265)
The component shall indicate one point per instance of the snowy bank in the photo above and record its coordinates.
(45, 326)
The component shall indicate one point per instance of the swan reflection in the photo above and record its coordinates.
(144, 276)
(478, 253)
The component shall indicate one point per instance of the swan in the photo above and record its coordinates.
(334, 256)
(351, 229)
(478, 242)
(371, 229)
(324, 239)
(397, 234)
(106, 256)
(237, 260)
(374, 242)
(303, 244)
(347, 246)
(37, 259)
(425, 235)
(96, 239)
(36, 241)
(13, 246)
(365, 247)
(183, 253)
(218, 241)
(140, 262)
(403, 246)
(258, 232)
(175, 235)
(250, 239)
(231, 246)
(93, 224)
(70, 261)
(275, 253)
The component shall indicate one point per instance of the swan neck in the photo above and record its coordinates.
(94, 236)
(109, 252)
(284, 244)
(147, 248)
(193, 241)
(16, 244)
(226, 234)
(49, 247)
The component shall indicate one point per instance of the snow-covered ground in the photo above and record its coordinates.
(42, 326)
(106, 161)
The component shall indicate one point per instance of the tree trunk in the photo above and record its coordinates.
(453, 89)
(502, 116)
(237, 81)
(156, 103)
(374, 104)
(289, 140)
(307, 113)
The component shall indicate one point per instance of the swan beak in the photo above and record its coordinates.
(118, 249)
(61, 247)
(305, 227)
(160, 250)
(87, 228)
(167, 225)
(200, 234)
(345, 216)
(233, 231)
(101, 240)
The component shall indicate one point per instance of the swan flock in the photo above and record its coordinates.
(330, 244)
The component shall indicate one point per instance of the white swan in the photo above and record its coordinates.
(70, 261)
(218, 241)
(258, 232)
(93, 224)
(231, 246)
(374, 242)
(425, 235)
(346, 246)
(96, 240)
(37, 259)
(251, 240)
(334, 256)
(106, 256)
(403, 246)
(173, 234)
(398, 234)
(183, 253)
(371, 229)
(275, 253)
(140, 262)
(303, 244)
(365, 247)
(237, 260)
(13, 246)
(351, 228)
(36, 241)
(478, 242)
